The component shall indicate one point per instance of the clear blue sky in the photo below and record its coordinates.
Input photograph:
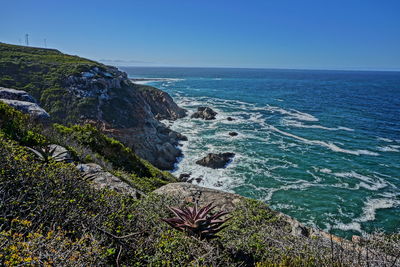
(316, 34)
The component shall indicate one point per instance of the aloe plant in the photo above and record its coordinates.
(197, 222)
(47, 153)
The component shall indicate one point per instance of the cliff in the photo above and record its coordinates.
(76, 90)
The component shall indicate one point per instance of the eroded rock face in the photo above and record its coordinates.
(130, 113)
(102, 179)
(216, 161)
(13, 94)
(96, 82)
(162, 105)
(204, 113)
(30, 108)
(22, 101)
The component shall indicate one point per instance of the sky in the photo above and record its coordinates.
(297, 34)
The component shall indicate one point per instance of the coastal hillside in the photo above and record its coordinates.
(56, 211)
(78, 187)
(77, 90)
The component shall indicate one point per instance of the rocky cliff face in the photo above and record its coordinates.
(77, 90)
(130, 113)
(22, 101)
(161, 104)
(96, 82)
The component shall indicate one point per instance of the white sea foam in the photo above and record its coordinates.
(369, 213)
(390, 148)
(384, 139)
(373, 204)
(292, 113)
(353, 226)
(325, 170)
(329, 145)
(368, 183)
(299, 124)
(152, 80)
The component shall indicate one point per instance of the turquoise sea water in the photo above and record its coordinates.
(321, 146)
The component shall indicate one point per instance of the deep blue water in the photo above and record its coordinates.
(321, 146)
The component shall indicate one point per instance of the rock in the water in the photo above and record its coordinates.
(30, 108)
(218, 184)
(230, 119)
(216, 161)
(233, 133)
(12, 94)
(102, 179)
(204, 113)
(184, 177)
(198, 180)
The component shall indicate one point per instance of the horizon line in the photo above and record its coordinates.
(261, 68)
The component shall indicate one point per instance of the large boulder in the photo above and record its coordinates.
(186, 192)
(189, 193)
(102, 179)
(204, 113)
(30, 108)
(13, 94)
(22, 101)
(216, 161)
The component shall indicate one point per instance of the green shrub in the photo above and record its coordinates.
(19, 126)
(135, 169)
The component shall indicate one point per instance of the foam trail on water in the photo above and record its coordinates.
(292, 113)
(391, 148)
(373, 204)
(294, 123)
(369, 183)
(384, 139)
(331, 146)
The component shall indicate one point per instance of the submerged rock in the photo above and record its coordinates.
(216, 161)
(233, 133)
(230, 119)
(204, 113)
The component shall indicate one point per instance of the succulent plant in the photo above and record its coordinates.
(47, 153)
(197, 222)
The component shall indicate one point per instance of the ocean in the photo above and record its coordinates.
(320, 146)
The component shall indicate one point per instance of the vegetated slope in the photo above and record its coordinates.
(77, 90)
(51, 215)
(42, 72)
(87, 144)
